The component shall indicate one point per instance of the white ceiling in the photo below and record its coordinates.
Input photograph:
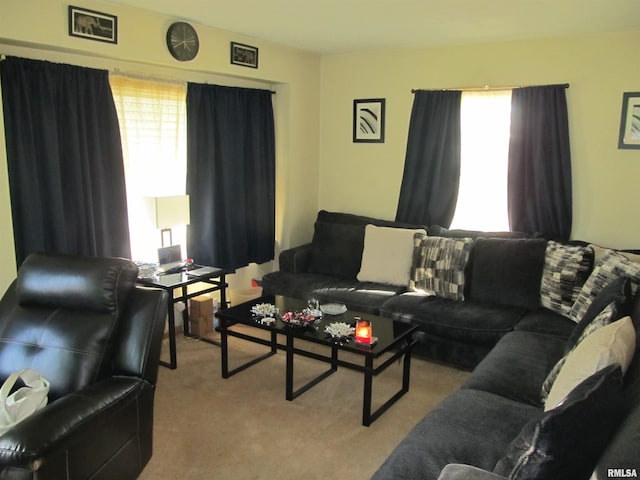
(342, 26)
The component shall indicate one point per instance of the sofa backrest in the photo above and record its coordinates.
(506, 271)
(622, 453)
(60, 317)
(352, 219)
(439, 231)
(338, 242)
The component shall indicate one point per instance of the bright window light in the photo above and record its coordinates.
(153, 127)
(485, 120)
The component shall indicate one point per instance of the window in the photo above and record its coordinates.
(485, 119)
(152, 118)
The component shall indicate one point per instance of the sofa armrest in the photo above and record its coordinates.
(457, 471)
(296, 259)
(98, 417)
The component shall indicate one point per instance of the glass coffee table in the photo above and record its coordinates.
(395, 340)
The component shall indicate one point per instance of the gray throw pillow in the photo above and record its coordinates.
(336, 249)
(507, 271)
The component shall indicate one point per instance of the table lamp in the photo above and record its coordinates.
(168, 212)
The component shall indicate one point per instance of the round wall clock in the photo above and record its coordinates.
(182, 41)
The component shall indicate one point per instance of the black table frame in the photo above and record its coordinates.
(216, 281)
(401, 346)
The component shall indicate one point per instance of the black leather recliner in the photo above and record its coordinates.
(84, 324)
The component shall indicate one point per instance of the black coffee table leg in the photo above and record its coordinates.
(290, 394)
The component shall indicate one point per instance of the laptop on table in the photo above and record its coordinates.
(170, 259)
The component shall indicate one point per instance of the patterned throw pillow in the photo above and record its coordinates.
(612, 266)
(605, 317)
(566, 269)
(439, 264)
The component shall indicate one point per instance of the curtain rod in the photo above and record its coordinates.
(116, 71)
(485, 88)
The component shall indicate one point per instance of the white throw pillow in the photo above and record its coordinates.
(613, 343)
(387, 255)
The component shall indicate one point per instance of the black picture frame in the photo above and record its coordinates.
(630, 121)
(368, 120)
(93, 25)
(244, 55)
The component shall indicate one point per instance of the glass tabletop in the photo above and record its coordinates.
(388, 332)
(173, 280)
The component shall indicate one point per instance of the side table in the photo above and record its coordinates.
(213, 280)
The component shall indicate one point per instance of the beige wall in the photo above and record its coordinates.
(365, 178)
(38, 29)
(318, 166)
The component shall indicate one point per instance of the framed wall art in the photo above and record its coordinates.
(244, 55)
(630, 121)
(368, 120)
(93, 25)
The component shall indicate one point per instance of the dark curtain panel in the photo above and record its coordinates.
(230, 175)
(64, 157)
(540, 192)
(431, 176)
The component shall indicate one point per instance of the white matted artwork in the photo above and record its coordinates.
(368, 120)
(630, 121)
(92, 25)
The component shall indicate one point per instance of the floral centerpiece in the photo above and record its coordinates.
(299, 319)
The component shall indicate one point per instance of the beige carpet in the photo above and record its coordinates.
(243, 428)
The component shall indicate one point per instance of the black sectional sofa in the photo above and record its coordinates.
(495, 426)
(502, 288)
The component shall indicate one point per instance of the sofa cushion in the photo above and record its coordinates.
(507, 271)
(439, 266)
(361, 296)
(517, 366)
(612, 265)
(364, 297)
(566, 441)
(387, 255)
(566, 268)
(609, 345)
(336, 249)
(469, 426)
(463, 321)
(545, 321)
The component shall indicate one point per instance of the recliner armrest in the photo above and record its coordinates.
(95, 417)
(457, 471)
(296, 259)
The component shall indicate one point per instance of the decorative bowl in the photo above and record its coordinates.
(339, 329)
(264, 310)
(333, 308)
(298, 319)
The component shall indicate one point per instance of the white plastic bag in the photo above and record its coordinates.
(16, 406)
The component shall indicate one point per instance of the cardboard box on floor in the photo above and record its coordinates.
(201, 315)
